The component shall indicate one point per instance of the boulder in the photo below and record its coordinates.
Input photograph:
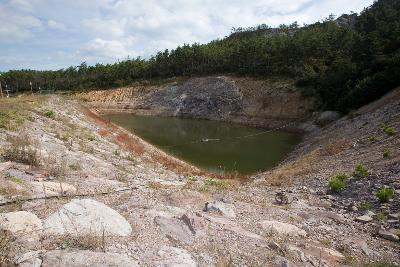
(327, 117)
(170, 257)
(52, 188)
(220, 207)
(20, 222)
(388, 235)
(30, 259)
(87, 216)
(175, 229)
(64, 258)
(364, 219)
(282, 228)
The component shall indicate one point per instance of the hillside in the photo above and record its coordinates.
(76, 188)
(345, 63)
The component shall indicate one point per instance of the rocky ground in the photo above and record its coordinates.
(79, 191)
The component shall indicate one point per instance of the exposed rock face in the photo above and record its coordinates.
(282, 228)
(52, 188)
(20, 222)
(62, 258)
(175, 229)
(83, 216)
(220, 207)
(244, 100)
(170, 257)
(327, 117)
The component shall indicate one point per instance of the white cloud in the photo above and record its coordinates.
(52, 24)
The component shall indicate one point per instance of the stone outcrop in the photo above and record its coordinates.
(87, 216)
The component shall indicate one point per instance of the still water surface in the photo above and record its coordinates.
(237, 148)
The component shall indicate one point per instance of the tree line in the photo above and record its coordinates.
(345, 65)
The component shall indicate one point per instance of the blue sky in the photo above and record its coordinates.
(54, 34)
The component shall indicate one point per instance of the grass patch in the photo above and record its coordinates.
(338, 183)
(385, 194)
(365, 205)
(154, 185)
(390, 131)
(50, 114)
(360, 171)
(213, 183)
(11, 120)
(21, 149)
(6, 257)
(381, 216)
(387, 154)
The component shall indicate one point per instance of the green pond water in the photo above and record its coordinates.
(230, 147)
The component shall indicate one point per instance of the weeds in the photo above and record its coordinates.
(338, 183)
(390, 131)
(365, 205)
(11, 120)
(387, 154)
(50, 114)
(215, 183)
(6, 258)
(381, 216)
(373, 139)
(385, 194)
(154, 185)
(21, 149)
(55, 168)
(360, 171)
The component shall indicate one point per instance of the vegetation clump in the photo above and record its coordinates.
(385, 194)
(338, 183)
(50, 114)
(390, 131)
(387, 153)
(21, 149)
(360, 171)
(11, 120)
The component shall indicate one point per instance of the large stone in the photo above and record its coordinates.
(170, 257)
(63, 258)
(20, 222)
(87, 216)
(388, 235)
(364, 219)
(220, 207)
(52, 188)
(29, 259)
(282, 228)
(327, 117)
(175, 229)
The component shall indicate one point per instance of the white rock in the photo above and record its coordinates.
(30, 259)
(364, 219)
(282, 228)
(62, 258)
(220, 207)
(170, 257)
(52, 188)
(20, 222)
(87, 216)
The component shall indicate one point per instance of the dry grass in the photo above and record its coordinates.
(83, 242)
(6, 254)
(22, 149)
(56, 168)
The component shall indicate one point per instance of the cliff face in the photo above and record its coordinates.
(267, 103)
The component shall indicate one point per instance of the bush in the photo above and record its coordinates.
(389, 131)
(338, 183)
(365, 205)
(360, 171)
(50, 114)
(385, 194)
(386, 153)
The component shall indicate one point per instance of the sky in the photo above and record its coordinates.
(55, 34)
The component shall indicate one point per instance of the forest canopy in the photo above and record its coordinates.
(346, 63)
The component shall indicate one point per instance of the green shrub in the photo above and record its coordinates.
(389, 131)
(50, 114)
(338, 183)
(385, 194)
(387, 153)
(381, 216)
(365, 205)
(360, 171)
(372, 139)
